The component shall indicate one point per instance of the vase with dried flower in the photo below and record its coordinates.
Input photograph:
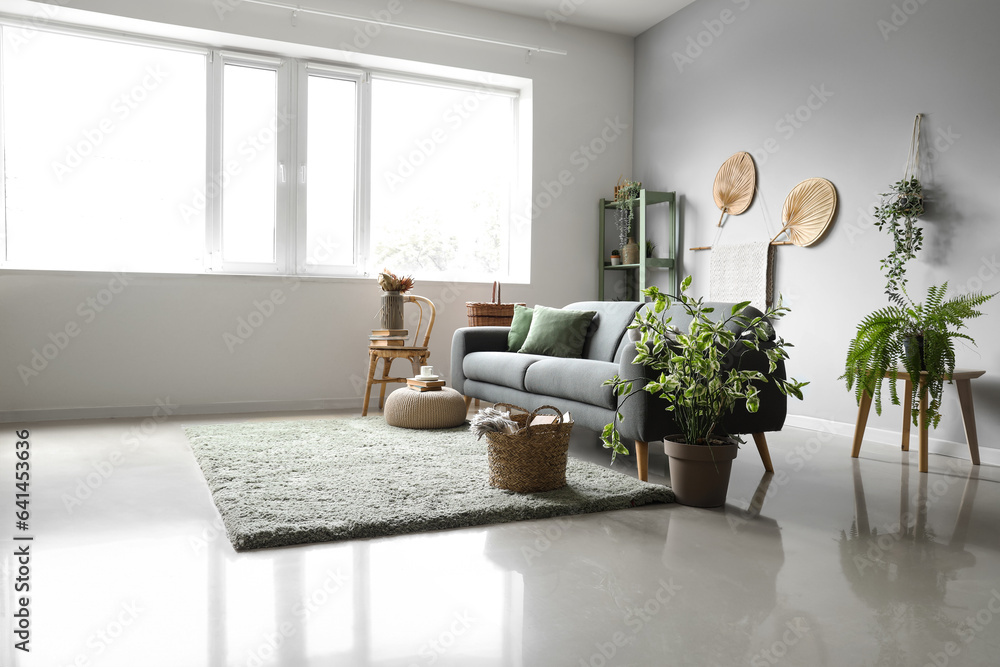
(393, 288)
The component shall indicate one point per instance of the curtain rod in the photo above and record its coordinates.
(403, 26)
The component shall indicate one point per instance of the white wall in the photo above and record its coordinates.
(722, 75)
(161, 337)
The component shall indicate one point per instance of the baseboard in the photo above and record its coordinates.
(881, 436)
(166, 407)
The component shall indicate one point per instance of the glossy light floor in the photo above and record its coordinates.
(830, 561)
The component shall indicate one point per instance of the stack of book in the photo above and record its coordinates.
(424, 385)
(388, 338)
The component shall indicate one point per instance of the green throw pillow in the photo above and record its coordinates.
(557, 332)
(518, 328)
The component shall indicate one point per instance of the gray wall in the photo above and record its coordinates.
(751, 82)
(162, 336)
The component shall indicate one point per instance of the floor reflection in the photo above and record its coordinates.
(902, 568)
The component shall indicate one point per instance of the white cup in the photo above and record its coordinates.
(426, 370)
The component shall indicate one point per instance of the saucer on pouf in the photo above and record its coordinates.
(406, 408)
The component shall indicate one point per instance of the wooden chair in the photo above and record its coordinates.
(417, 354)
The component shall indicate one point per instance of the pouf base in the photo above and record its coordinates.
(406, 408)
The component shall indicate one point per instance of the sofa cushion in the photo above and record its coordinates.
(558, 332)
(503, 368)
(575, 379)
(519, 328)
(613, 317)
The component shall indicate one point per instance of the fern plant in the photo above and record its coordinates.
(918, 336)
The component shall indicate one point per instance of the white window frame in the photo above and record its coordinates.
(292, 168)
(283, 204)
(514, 268)
(362, 154)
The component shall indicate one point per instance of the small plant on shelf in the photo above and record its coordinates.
(625, 192)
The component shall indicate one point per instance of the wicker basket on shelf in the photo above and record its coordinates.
(533, 459)
(492, 313)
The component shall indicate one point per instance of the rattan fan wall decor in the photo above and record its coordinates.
(807, 212)
(735, 184)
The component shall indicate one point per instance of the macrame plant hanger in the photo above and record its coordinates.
(913, 157)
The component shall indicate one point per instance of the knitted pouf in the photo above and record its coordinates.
(425, 409)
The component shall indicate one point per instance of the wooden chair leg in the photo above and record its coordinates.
(859, 428)
(468, 401)
(386, 365)
(969, 418)
(642, 459)
(372, 361)
(765, 455)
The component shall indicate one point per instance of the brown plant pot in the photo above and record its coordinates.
(699, 474)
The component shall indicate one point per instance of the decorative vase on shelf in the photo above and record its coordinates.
(391, 314)
(630, 253)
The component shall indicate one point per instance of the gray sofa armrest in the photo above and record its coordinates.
(474, 339)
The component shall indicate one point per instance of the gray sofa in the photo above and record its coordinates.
(481, 367)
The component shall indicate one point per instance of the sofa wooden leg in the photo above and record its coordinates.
(765, 455)
(468, 402)
(642, 459)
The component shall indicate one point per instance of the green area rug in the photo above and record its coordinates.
(294, 482)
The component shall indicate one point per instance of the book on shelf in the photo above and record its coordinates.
(390, 332)
(432, 384)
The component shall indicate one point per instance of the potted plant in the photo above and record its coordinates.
(625, 192)
(898, 213)
(393, 288)
(616, 257)
(701, 379)
(919, 337)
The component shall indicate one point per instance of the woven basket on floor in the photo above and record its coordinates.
(492, 313)
(534, 458)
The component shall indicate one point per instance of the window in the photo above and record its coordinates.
(443, 168)
(132, 154)
(330, 172)
(101, 139)
(249, 200)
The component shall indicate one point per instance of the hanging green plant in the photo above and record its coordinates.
(897, 213)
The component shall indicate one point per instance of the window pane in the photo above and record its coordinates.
(105, 155)
(443, 168)
(331, 153)
(250, 159)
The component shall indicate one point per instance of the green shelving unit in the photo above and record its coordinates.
(635, 274)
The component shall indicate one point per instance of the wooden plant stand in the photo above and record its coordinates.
(963, 381)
